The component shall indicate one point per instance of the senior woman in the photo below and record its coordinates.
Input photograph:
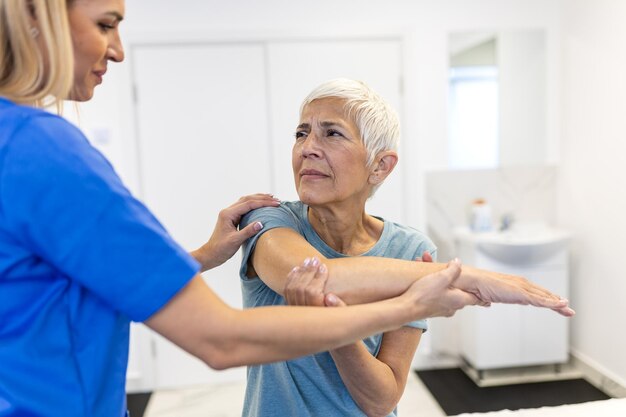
(345, 147)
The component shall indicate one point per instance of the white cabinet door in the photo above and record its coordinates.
(295, 68)
(203, 142)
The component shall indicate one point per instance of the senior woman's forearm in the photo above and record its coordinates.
(376, 383)
(371, 383)
(367, 279)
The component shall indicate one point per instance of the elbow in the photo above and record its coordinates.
(221, 350)
(378, 410)
(379, 407)
(218, 363)
(219, 357)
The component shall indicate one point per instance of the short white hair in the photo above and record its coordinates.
(376, 120)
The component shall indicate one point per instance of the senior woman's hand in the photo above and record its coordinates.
(226, 238)
(494, 287)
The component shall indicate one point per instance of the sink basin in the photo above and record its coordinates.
(523, 244)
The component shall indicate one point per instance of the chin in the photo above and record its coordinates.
(81, 95)
(309, 200)
(304, 198)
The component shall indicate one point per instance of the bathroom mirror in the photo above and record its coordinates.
(497, 104)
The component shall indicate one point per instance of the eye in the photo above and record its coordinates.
(300, 134)
(105, 27)
(333, 132)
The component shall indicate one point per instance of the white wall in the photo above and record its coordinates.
(592, 201)
(423, 24)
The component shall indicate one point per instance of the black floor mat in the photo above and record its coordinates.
(456, 393)
(137, 403)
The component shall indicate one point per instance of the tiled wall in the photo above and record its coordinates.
(526, 193)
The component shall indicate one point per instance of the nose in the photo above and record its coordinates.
(310, 147)
(115, 51)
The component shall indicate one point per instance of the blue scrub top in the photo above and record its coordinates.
(80, 258)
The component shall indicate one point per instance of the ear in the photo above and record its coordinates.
(384, 163)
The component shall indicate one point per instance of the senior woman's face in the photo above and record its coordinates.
(328, 156)
(95, 38)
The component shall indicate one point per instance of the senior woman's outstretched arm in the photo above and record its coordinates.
(365, 279)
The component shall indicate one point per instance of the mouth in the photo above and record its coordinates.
(99, 74)
(312, 174)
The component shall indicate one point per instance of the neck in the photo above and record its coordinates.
(348, 230)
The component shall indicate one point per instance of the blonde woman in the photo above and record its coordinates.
(80, 257)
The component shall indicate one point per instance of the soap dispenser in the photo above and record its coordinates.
(480, 216)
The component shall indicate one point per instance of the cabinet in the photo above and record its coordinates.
(505, 336)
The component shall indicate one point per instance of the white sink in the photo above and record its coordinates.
(522, 244)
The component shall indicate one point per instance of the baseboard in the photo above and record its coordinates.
(578, 364)
(521, 374)
(435, 360)
(599, 376)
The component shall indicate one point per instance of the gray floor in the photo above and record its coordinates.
(225, 400)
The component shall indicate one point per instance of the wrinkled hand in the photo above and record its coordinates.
(437, 295)
(226, 238)
(493, 287)
(305, 284)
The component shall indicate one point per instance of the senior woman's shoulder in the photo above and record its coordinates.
(401, 232)
(287, 211)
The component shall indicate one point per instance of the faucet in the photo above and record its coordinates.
(506, 221)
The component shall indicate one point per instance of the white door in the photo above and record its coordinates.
(216, 121)
(203, 143)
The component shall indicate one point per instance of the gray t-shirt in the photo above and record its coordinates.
(311, 385)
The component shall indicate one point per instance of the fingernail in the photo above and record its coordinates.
(457, 261)
(315, 262)
(258, 226)
(332, 298)
(323, 268)
(307, 261)
(295, 269)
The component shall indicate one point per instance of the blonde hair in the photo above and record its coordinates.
(28, 75)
